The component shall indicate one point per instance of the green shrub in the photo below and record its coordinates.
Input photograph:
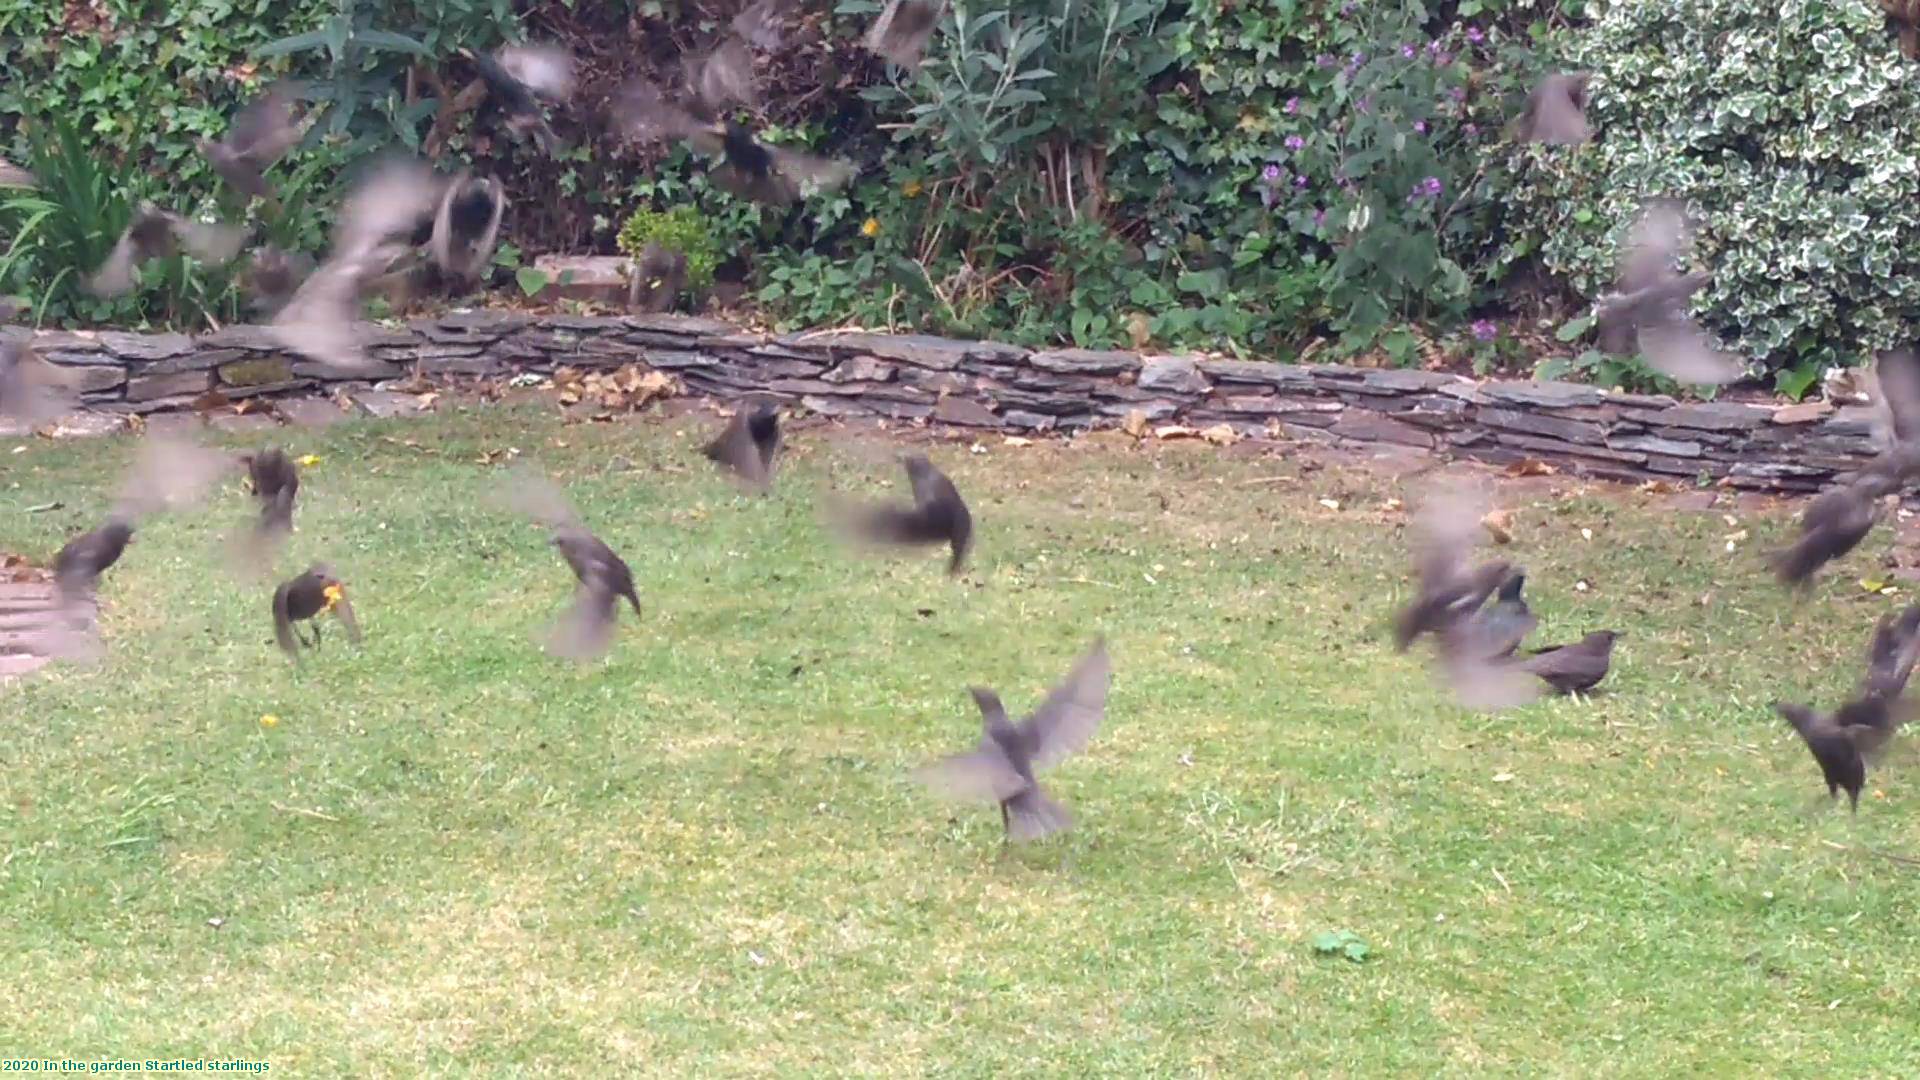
(1794, 135)
(682, 229)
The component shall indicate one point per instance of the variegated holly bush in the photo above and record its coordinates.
(1793, 132)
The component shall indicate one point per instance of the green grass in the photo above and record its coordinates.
(704, 856)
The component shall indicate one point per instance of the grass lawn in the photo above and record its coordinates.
(704, 856)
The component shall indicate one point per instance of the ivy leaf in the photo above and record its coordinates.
(1574, 329)
(530, 280)
(1328, 941)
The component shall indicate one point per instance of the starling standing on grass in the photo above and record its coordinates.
(748, 443)
(938, 516)
(1575, 668)
(1002, 768)
(303, 598)
(1845, 741)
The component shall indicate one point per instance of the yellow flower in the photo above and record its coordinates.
(911, 189)
(269, 720)
(333, 594)
(870, 228)
(309, 461)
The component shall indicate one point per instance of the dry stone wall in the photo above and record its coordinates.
(988, 385)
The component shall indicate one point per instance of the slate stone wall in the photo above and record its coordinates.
(1008, 388)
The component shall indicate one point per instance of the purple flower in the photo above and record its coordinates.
(1475, 35)
(1324, 60)
(1365, 104)
(1295, 142)
(1357, 59)
(1442, 59)
(1408, 52)
(1471, 130)
(1300, 182)
(1292, 106)
(1458, 93)
(1420, 126)
(1319, 218)
(1432, 186)
(1485, 330)
(1434, 46)
(1271, 174)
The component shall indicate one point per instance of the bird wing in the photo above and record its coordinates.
(546, 70)
(759, 23)
(982, 775)
(642, 113)
(585, 631)
(735, 449)
(391, 201)
(1488, 683)
(1655, 242)
(524, 491)
(1556, 112)
(1897, 395)
(722, 77)
(1446, 529)
(1065, 722)
(902, 30)
(266, 128)
(1675, 346)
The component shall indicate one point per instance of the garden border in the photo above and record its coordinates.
(993, 386)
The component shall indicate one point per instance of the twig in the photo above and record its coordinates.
(1503, 881)
(1087, 581)
(1905, 860)
(1259, 480)
(307, 813)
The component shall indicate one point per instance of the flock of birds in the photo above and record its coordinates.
(1475, 612)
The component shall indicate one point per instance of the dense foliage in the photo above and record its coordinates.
(1242, 174)
(1793, 131)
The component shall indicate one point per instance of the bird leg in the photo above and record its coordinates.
(301, 638)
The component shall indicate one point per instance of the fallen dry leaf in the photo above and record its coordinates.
(1017, 440)
(1499, 526)
(1174, 431)
(1531, 467)
(1220, 435)
(1658, 487)
(1331, 504)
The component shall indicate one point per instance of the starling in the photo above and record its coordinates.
(518, 77)
(1002, 768)
(304, 597)
(1651, 307)
(658, 279)
(275, 482)
(32, 391)
(153, 234)
(1575, 668)
(585, 632)
(1835, 523)
(1446, 531)
(751, 168)
(78, 566)
(1843, 743)
(273, 276)
(261, 134)
(747, 444)
(1891, 654)
(938, 515)
(467, 226)
(1556, 111)
(318, 322)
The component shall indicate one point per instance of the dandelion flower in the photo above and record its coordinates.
(870, 228)
(269, 720)
(911, 189)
